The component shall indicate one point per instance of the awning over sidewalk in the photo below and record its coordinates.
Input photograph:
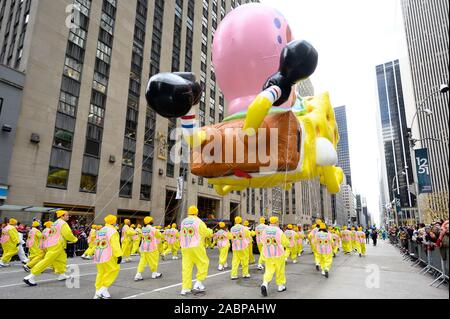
(31, 209)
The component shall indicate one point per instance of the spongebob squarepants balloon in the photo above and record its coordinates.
(272, 136)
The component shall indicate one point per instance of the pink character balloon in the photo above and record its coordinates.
(246, 51)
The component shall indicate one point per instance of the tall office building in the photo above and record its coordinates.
(85, 139)
(426, 26)
(393, 136)
(343, 149)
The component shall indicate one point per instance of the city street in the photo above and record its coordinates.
(348, 276)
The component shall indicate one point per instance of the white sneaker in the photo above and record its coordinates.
(129, 260)
(63, 277)
(246, 276)
(83, 257)
(198, 286)
(281, 288)
(294, 261)
(105, 293)
(260, 267)
(174, 257)
(323, 272)
(138, 277)
(2, 264)
(225, 266)
(97, 295)
(184, 292)
(156, 275)
(220, 268)
(29, 280)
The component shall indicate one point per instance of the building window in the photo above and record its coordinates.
(57, 177)
(88, 183)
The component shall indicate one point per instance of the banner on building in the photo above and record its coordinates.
(423, 171)
(180, 183)
(398, 203)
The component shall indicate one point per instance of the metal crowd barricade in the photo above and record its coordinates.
(440, 266)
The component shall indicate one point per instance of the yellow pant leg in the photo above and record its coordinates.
(90, 251)
(244, 261)
(261, 257)
(168, 250)
(235, 261)
(325, 261)
(317, 258)
(135, 247)
(223, 255)
(60, 263)
(107, 273)
(153, 260)
(143, 261)
(187, 265)
(346, 246)
(300, 248)
(270, 269)
(280, 271)
(294, 253)
(9, 251)
(287, 252)
(49, 260)
(161, 248)
(251, 257)
(201, 261)
(126, 248)
(37, 257)
(175, 249)
(335, 249)
(363, 248)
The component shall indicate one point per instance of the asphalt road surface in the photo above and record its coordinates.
(381, 274)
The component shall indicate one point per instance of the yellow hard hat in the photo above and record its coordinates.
(344, 227)
(126, 222)
(12, 221)
(353, 228)
(296, 228)
(273, 220)
(323, 226)
(174, 225)
(262, 220)
(221, 224)
(139, 226)
(318, 221)
(246, 223)
(35, 224)
(48, 224)
(60, 213)
(360, 228)
(148, 220)
(111, 219)
(133, 226)
(193, 210)
(289, 226)
(238, 220)
(94, 226)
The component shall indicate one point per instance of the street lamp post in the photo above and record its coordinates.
(393, 194)
(412, 142)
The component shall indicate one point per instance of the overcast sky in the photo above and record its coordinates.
(352, 37)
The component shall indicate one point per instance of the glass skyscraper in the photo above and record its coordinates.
(343, 147)
(394, 133)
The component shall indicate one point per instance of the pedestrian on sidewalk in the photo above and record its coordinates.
(374, 236)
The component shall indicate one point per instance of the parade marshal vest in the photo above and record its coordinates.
(300, 237)
(31, 237)
(271, 240)
(149, 241)
(324, 243)
(345, 235)
(259, 229)
(102, 243)
(43, 244)
(190, 232)
(290, 234)
(135, 236)
(222, 238)
(55, 233)
(360, 237)
(238, 241)
(5, 234)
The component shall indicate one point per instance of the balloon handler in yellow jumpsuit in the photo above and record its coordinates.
(127, 242)
(274, 241)
(336, 241)
(89, 253)
(107, 257)
(36, 254)
(353, 241)
(10, 242)
(360, 241)
(60, 233)
(171, 236)
(149, 250)
(136, 240)
(240, 239)
(251, 257)
(291, 249)
(301, 237)
(192, 240)
(312, 238)
(324, 248)
(223, 244)
(258, 232)
(346, 240)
